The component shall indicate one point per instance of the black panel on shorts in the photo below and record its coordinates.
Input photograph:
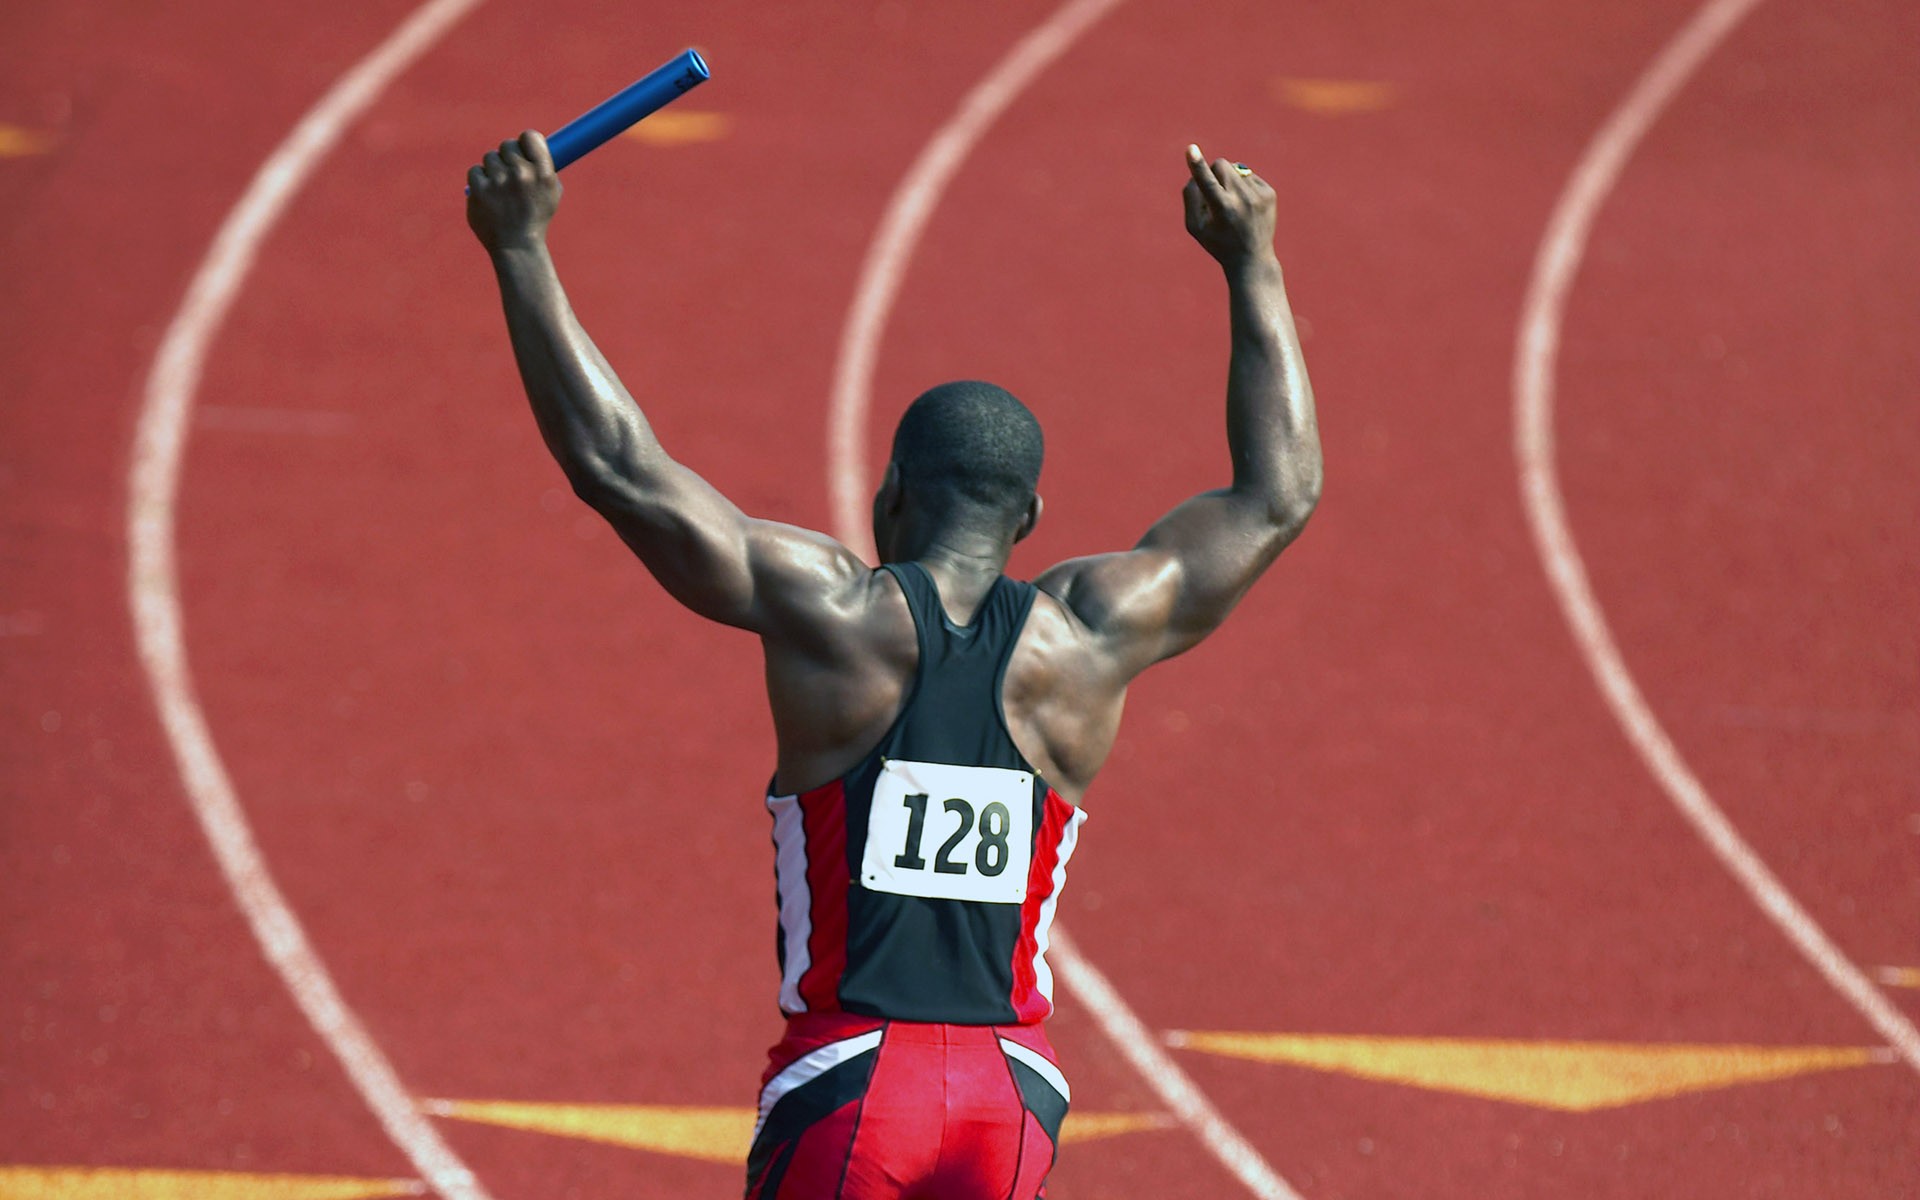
(1048, 1106)
(796, 1111)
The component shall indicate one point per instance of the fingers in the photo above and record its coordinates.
(1256, 190)
(516, 160)
(525, 158)
(1196, 205)
(1211, 185)
(1230, 210)
(534, 146)
(1223, 182)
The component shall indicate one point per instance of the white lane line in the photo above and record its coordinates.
(154, 598)
(893, 246)
(1175, 1089)
(1555, 266)
(885, 266)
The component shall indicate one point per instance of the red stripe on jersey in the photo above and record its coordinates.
(1028, 1003)
(823, 814)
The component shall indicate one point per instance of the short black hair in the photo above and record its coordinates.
(970, 445)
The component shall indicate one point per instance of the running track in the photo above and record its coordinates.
(512, 795)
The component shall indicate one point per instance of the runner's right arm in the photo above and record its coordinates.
(764, 576)
(1194, 565)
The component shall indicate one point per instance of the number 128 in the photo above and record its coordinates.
(990, 857)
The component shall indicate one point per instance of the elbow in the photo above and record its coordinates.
(1290, 518)
(1293, 504)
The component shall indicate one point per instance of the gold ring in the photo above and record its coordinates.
(1243, 168)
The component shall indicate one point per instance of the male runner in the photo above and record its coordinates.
(938, 723)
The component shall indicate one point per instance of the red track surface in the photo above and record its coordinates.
(513, 793)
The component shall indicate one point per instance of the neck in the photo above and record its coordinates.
(964, 566)
(954, 550)
(960, 553)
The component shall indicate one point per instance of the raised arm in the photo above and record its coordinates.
(1196, 562)
(711, 557)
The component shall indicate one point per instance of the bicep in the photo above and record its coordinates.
(1173, 589)
(738, 570)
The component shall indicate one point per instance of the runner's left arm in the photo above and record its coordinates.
(1195, 564)
(710, 556)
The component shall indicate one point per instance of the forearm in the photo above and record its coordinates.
(1271, 428)
(588, 420)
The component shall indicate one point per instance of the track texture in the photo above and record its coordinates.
(512, 793)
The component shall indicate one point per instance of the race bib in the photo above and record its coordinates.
(950, 833)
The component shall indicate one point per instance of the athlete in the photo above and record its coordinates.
(937, 722)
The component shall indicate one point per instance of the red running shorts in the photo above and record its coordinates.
(858, 1108)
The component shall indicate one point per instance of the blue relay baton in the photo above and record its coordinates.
(646, 95)
(627, 107)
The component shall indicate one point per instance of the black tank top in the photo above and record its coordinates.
(920, 885)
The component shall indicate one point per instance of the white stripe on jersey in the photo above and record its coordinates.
(1041, 1067)
(1042, 973)
(811, 1066)
(796, 904)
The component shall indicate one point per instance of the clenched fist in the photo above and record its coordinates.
(1229, 209)
(513, 193)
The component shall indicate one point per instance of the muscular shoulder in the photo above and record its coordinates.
(838, 667)
(1118, 599)
(808, 582)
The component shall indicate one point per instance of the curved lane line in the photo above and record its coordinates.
(893, 245)
(885, 266)
(154, 596)
(1555, 266)
(1175, 1087)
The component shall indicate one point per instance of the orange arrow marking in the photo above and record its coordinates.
(121, 1183)
(677, 127)
(19, 142)
(712, 1134)
(1334, 97)
(1571, 1076)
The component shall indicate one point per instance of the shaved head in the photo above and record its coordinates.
(969, 446)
